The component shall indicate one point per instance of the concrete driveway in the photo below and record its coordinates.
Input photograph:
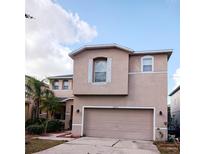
(91, 145)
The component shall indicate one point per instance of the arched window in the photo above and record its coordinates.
(147, 64)
(99, 69)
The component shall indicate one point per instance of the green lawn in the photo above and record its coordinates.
(167, 148)
(36, 145)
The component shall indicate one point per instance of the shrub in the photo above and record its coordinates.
(54, 125)
(29, 122)
(171, 138)
(35, 129)
(34, 121)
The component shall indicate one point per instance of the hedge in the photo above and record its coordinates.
(37, 126)
(35, 129)
(34, 121)
(55, 125)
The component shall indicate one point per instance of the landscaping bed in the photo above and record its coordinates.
(36, 145)
(43, 126)
(167, 147)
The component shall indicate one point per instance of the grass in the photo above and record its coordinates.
(36, 145)
(167, 148)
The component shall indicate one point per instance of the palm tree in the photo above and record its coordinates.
(35, 89)
(50, 103)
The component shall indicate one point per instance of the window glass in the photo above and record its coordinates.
(147, 68)
(100, 68)
(147, 64)
(65, 84)
(55, 85)
(147, 61)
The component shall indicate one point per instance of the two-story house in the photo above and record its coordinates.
(119, 92)
(62, 86)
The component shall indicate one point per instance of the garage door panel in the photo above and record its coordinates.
(110, 126)
(119, 123)
(123, 135)
(124, 130)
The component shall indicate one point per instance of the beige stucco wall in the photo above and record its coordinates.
(119, 71)
(145, 90)
(160, 63)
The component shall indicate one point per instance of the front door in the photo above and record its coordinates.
(71, 117)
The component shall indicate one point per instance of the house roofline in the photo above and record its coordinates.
(65, 99)
(100, 46)
(152, 52)
(114, 45)
(174, 91)
(69, 76)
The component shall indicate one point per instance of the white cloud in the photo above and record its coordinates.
(176, 78)
(48, 35)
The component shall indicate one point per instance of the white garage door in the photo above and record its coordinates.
(119, 123)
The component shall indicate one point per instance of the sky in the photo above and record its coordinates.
(61, 26)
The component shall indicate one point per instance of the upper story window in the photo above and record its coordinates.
(100, 69)
(65, 84)
(147, 64)
(56, 85)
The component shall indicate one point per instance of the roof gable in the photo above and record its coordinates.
(100, 46)
(168, 52)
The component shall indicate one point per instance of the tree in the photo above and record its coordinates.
(50, 103)
(35, 90)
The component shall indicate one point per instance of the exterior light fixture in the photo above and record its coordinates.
(77, 110)
(160, 112)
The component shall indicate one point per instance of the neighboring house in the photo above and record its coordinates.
(28, 103)
(28, 108)
(119, 92)
(175, 109)
(62, 86)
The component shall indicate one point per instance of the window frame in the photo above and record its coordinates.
(63, 85)
(53, 85)
(142, 64)
(93, 73)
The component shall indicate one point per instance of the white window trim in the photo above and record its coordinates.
(99, 83)
(93, 73)
(61, 90)
(90, 70)
(120, 107)
(142, 58)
